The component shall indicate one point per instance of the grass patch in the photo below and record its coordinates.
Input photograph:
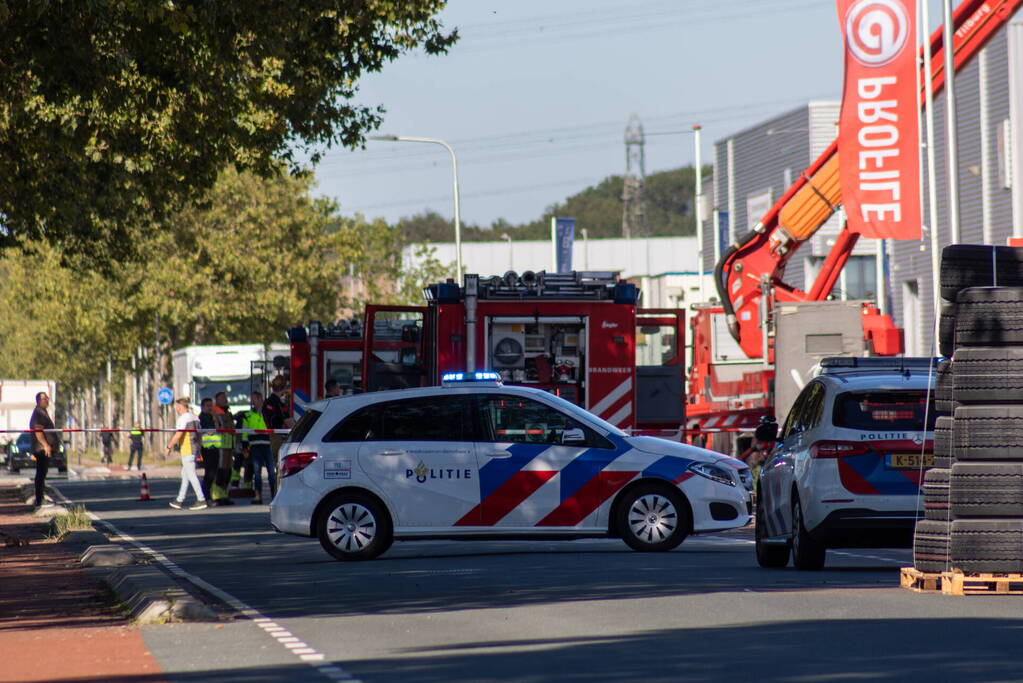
(76, 519)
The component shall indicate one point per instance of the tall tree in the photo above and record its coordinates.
(112, 111)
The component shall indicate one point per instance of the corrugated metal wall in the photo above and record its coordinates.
(911, 260)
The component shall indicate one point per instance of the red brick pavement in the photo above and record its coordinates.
(58, 623)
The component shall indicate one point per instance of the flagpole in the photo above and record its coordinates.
(932, 188)
(953, 135)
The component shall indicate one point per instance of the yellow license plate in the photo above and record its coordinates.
(901, 461)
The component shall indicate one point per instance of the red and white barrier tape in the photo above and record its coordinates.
(100, 430)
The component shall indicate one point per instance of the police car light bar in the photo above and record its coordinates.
(477, 377)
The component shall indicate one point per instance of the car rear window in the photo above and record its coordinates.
(305, 423)
(883, 410)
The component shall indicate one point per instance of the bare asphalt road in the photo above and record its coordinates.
(539, 611)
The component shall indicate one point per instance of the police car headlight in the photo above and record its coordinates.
(712, 472)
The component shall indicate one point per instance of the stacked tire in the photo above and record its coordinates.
(978, 443)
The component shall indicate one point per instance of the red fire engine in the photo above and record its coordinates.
(577, 335)
(726, 394)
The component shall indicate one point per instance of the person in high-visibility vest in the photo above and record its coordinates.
(241, 467)
(259, 449)
(135, 436)
(210, 446)
(222, 420)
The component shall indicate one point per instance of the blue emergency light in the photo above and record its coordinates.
(477, 377)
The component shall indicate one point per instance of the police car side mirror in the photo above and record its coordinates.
(573, 437)
(767, 432)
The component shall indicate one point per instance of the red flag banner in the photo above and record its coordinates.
(878, 133)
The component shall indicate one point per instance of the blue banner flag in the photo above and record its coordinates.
(564, 231)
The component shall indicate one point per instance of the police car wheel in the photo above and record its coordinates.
(354, 527)
(769, 555)
(653, 518)
(807, 554)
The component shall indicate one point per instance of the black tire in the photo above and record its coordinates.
(371, 531)
(947, 329)
(988, 433)
(988, 375)
(807, 553)
(769, 555)
(943, 403)
(943, 442)
(653, 518)
(970, 265)
(930, 546)
(989, 316)
(981, 489)
(987, 545)
(935, 490)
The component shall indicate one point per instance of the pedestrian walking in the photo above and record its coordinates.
(186, 442)
(107, 439)
(210, 443)
(45, 443)
(135, 449)
(259, 449)
(222, 420)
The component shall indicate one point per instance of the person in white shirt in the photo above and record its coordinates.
(188, 444)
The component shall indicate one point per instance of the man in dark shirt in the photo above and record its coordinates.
(45, 443)
(210, 446)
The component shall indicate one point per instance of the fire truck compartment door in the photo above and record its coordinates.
(551, 319)
(421, 455)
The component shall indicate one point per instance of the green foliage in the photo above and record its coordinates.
(113, 111)
(76, 519)
(255, 257)
(599, 209)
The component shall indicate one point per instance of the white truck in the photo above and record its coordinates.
(203, 371)
(18, 400)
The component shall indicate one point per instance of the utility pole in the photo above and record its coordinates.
(633, 194)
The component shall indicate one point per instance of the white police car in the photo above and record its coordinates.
(474, 459)
(849, 462)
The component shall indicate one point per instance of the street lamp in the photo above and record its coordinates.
(511, 251)
(454, 176)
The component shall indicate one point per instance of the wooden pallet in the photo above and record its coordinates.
(920, 582)
(956, 582)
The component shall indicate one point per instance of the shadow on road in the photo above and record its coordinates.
(863, 650)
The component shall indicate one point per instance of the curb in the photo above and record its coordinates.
(149, 593)
(153, 597)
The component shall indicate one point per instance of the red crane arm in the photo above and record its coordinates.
(761, 254)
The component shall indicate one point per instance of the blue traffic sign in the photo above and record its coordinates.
(165, 396)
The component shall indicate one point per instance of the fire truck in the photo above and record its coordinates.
(737, 374)
(578, 335)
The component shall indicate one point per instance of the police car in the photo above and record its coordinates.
(475, 459)
(849, 461)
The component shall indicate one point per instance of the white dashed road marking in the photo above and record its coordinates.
(294, 645)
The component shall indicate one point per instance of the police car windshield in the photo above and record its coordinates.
(585, 416)
(883, 411)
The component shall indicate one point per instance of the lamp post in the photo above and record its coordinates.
(454, 177)
(699, 209)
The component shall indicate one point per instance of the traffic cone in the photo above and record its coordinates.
(144, 488)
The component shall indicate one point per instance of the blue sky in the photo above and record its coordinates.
(536, 95)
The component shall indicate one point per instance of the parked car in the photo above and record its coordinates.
(848, 463)
(475, 459)
(18, 454)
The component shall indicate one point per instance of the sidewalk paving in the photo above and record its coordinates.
(56, 621)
